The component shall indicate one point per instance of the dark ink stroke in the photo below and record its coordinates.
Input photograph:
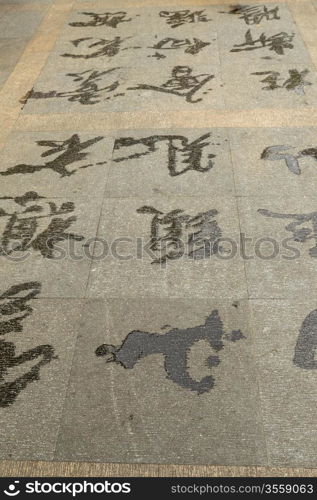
(183, 155)
(70, 151)
(182, 84)
(14, 308)
(174, 346)
(306, 344)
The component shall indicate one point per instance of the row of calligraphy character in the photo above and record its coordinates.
(254, 14)
(95, 85)
(35, 222)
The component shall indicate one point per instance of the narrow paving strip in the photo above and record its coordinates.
(158, 232)
(17, 28)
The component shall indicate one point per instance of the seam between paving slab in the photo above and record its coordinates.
(253, 118)
(260, 414)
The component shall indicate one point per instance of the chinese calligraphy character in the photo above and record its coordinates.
(14, 308)
(182, 154)
(26, 227)
(182, 83)
(71, 151)
(176, 234)
(277, 42)
(175, 346)
(295, 82)
(100, 47)
(177, 18)
(192, 47)
(306, 344)
(299, 234)
(9, 391)
(255, 14)
(275, 153)
(105, 19)
(88, 92)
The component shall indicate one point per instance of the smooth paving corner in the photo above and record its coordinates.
(15, 33)
(21, 26)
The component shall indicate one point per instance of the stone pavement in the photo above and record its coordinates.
(158, 232)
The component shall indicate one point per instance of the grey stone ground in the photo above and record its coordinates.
(126, 133)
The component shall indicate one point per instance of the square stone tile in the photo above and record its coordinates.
(152, 412)
(127, 89)
(179, 162)
(33, 388)
(140, 258)
(275, 161)
(268, 85)
(19, 25)
(279, 262)
(63, 269)
(272, 40)
(56, 164)
(285, 340)
(68, 92)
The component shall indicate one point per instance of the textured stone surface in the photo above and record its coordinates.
(210, 350)
(29, 426)
(64, 272)
(184, 162)
(279, 262)
(274, 161)
(57, 164)
(132, 268)
(287, 390)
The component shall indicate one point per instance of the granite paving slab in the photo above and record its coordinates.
(149, 407)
